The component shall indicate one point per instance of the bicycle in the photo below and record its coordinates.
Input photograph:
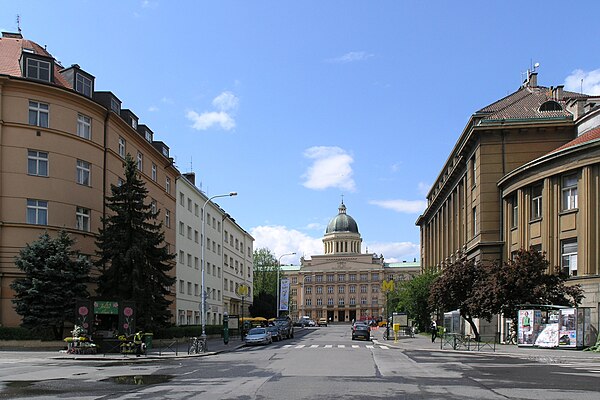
(197, 345)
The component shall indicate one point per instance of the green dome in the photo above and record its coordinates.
(342, 222)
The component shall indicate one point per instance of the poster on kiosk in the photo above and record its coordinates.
(529, 326)
(567, 330)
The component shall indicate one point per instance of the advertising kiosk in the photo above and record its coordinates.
(554, 326)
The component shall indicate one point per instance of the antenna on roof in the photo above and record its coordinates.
(19, 23)
(191, 163)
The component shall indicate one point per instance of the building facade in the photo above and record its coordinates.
(523, 173)
(226, 266)
(343, 284)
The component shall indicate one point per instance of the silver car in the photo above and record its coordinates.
(258, 336)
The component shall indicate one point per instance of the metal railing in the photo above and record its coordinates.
(458, 341)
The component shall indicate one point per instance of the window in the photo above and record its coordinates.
(341, 278)
(83, 85)
(308, 279)
(140, 161)
(181, 257)
(38, 114)
(181, 286)
(181, 199)
(352, 288)
(189, 260)
(121, 147)
(154, 172)
(341, 289)
(84, 126)
(319, 278)
(329, 278)
(196, 262)
(363, 277)
(308, 290)
(181, 228)
(319, 289)
(38, 69)
(197, 212)
(167, 218)
(363, 288)
(514, 220)
(37, 212)
(168, 185)
(83, 172)
(569, 192)
(473, 170)
(475, 227)
(536, 201)
(363, 300)
(153, 206)
(568, 256)
(341, 301)
(330, 301)
(115, 105)
(82, 216)
(37, 163)
(329, 289)
(375, 289)
(375, 276)
(352, 277)
(196, 236)
(319, 301)
(352, 300)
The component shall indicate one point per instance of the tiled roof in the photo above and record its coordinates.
(589, 136)
(525, 104)
(10, 55)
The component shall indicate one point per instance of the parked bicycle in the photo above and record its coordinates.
(197, 345)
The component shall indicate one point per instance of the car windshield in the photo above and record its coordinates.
(272, 328)
(256, 331)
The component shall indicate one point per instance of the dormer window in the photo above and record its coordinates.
(83, 85)
(148, 135)
(115, 106)
(550, 105)
(38, 69)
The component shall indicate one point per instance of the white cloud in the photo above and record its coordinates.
(331, 168)
(352, 56)
(206, 120)
(395, 251)
(591, 81)
(153, 109)
(315, 226)
(149, 4)
(226, 103)
(167, 100)
(281, 240)
(402, 206)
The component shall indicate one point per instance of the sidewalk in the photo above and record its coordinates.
(423, 342)
(161, 349)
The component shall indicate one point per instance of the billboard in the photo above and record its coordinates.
(284, 297)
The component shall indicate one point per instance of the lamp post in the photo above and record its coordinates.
(203, 262)
(278, 282)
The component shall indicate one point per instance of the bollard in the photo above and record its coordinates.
(225, 328)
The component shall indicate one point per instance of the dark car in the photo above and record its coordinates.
(361, 331)
(286, 327)
(275, 332)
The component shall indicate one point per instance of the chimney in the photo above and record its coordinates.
(558, 92)
(190, 176)
(532, 79)
(12, 35)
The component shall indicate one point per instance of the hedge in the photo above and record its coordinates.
(20, 333)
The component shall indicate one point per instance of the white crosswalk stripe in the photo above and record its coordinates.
(328, 346)
(336, 346)
(341, 346)
(355, 346)
(314, 346)
(300, 346)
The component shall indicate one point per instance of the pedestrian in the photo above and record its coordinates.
(433, 328)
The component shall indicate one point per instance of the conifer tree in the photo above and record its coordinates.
(133, 258)
(55, 276)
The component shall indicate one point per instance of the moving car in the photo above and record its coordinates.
(361, 331)
(322, 322)
(258, 336)
(360, 323)
(285, 324)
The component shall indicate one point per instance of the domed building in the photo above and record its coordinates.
(343, 284)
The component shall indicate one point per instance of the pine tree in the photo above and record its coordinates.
(55, 276)
(133, 258)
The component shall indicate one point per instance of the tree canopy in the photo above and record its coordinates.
(411, 296)
(265, 272)
(55, 276)
(133, 257)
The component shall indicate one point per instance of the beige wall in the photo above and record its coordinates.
(60, 189)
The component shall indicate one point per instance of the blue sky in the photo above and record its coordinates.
(294, 104)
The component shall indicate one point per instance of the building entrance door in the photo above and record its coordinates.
(330, 316)
(341, 316)
(352, 315)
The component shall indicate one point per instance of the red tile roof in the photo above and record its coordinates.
(11, 47)
(589, 136)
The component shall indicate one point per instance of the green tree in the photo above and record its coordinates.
(527, 279)
(55, 276)
(265, 272)
(133, 258)
(460, 286)
(412, 297)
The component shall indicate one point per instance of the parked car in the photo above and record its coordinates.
(286, 326)
(311, 322)
(258, 336)
(275, 332)
(303, 321)
(322, 322)
(361, 324)
(361, 331)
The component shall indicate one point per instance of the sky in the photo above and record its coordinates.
(298, 105)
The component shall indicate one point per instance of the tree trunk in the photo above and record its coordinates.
(473, 327)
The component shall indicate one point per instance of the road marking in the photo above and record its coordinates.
(287, 346)
(384, 347)
(328, 346)
(314, 346)
(355, 346)
(341, 346)
(300, 346)
(370, 346)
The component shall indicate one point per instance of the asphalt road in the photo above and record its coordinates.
(319, 363)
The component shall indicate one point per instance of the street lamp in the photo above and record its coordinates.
(202, 263)
(278, 282)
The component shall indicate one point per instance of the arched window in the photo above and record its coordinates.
(550, 105)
